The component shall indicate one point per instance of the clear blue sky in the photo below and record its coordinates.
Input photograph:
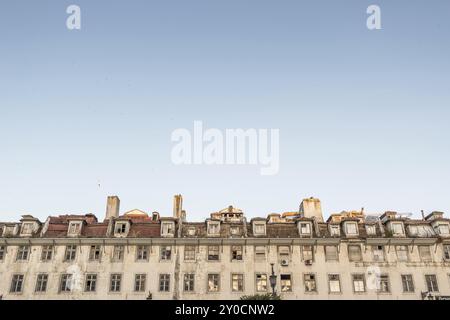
(363, 115)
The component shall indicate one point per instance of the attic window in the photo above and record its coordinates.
(351, 228)
(397, 229)
(167, 228)
(191, 231)
(121, 228)
(74, 228)
(259, 229)
(27, 228)
(442, 229)
(305, 228)
(213, 228)
(234, 230)
(371, 230)
(335, 230)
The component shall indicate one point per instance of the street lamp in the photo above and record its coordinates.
(273, 281)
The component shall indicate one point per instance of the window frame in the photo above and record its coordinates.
(17, 280)
(41, 283)
(338, 281)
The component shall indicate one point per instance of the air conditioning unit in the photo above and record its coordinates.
(308, 262)
(284, 262)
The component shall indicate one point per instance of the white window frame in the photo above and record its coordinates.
(354, 225)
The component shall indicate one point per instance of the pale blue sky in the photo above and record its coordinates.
(363, 115)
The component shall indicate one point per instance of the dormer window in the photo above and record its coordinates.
(9, 230)
(121, 228)
(397, 229)
(27, 228)
(305, 228)
(351, 228)
(191, 231)
(259, 228)
(442, 229)
(74, 228)
(234, 231)
(371, 230)
(335, 230)
(213, 228)
(168, 229)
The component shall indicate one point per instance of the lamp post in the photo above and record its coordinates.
(273, 281)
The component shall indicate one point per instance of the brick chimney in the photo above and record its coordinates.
(112, 207)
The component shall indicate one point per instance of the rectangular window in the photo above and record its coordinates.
(425, 253)
(66, 283)
(121, 228)
(402, 253)
(41, 282)
(213, 228)
(359, 283)
(17, 283)
(335, 230)
(189, 282)
(407, 283)
(168, 228)
(189, 253)
(351, 228)
(334, 283)
(261, 282)
(383, 286)
(2, 253)
(166, 253)
(446, 249)
(213, 253)
(260, 228)
(46, 253)
(305, 229)
(397, 229)
(286, 283)
(432, 284)
(331, 253)
(139, 282)
(260, 253)
(74, 228)
(94, 253)
(310, 282)
(308, 254)
(237, 282)
(118, 252)
(27, 228)
(142, 253)
(354, 253)
(164, 282)
(91, 282)
(116, 281)
(71, 253)
(22, 253)
(378, 253)
(213, 282)
(236, 253)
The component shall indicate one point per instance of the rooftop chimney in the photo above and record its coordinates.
(178, 206)
(112, 207)
(311, 208)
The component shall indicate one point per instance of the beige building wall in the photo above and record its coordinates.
(177, 267)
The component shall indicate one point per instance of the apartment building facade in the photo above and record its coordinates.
(144, 256)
